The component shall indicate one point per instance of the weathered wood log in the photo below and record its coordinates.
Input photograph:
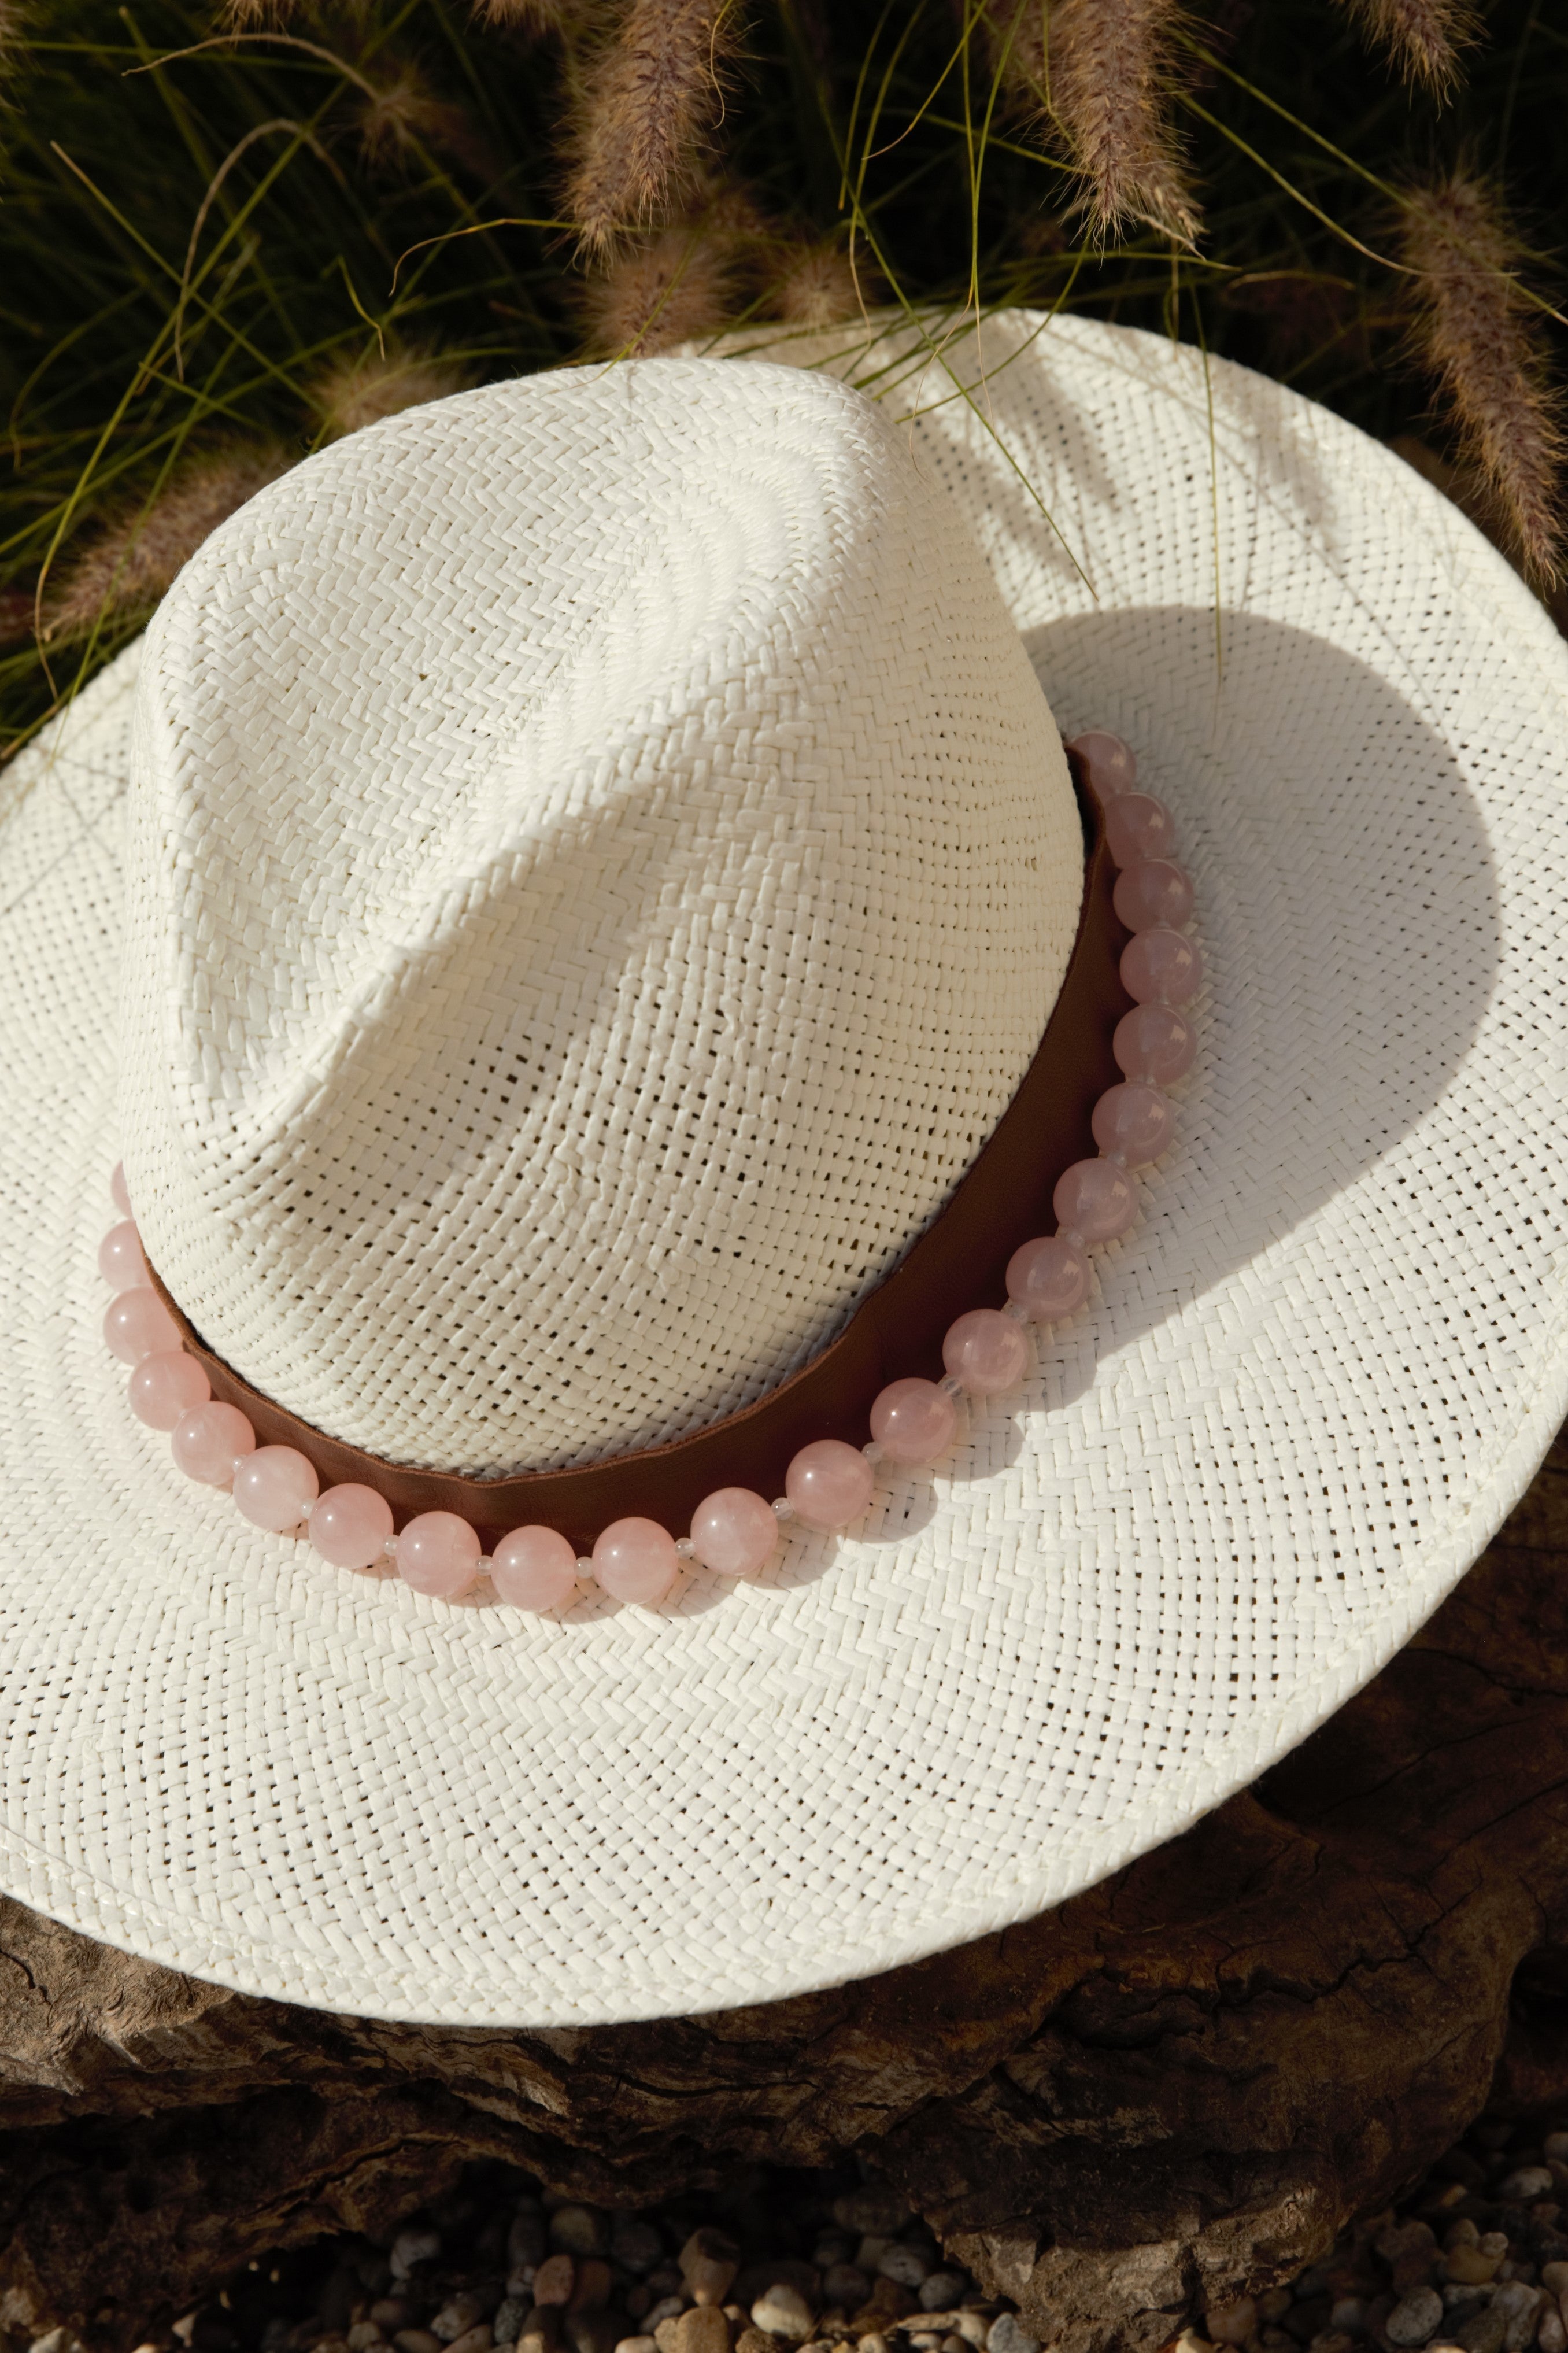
(1172, 2090)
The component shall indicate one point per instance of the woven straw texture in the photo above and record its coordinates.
(578, 935)
(1310, 1383)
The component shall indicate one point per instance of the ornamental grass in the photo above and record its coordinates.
(233, 232)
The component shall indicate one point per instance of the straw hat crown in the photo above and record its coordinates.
(599, 865)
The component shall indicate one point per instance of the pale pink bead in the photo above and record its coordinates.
(913, 1421)
(1134, 1120)
(350, 1524)
(208, 1441)
(534, 1568)
(1152, 890)
(986, 1350)
(275, 1487)
(1138, 826)
(120, 1258)
(1095, 1199)
(829, 1484)
(117, 1190)
(734, 1532)
(1049, 1277)
(165, 1385)
(138, 1325)
(438, 1553)
(1154, 1042)
(1162, 966)
(636, 1560)
(1111, 762)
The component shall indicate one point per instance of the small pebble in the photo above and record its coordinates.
(669, 2307)
(703, 2329)
(905, 2265)
(1008, 2335)
(411, 2247)
(941, 2291)
(1331, 2340)
(637, 2345)
(1529, 2181)
(783, 2311)
(709, 2263)
(1414, 2317)
(846, 2285)
(1232, 2324)
(634, 2244)
(416, 2341)
(579, 2230)
(363, 2334)
(477, 2339)
(455, 2317)
(553, 2281)
(506, 2325)
(528, 2237)
(391, 2312)
(1347, 2315)
(592, 2287)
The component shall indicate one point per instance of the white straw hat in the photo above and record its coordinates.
(584, 733)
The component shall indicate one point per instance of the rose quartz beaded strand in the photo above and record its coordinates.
(828, 1484)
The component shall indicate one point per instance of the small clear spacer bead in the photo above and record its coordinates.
(389, 1549)
(783, 1509)
(1117, 1159)
(585, 1567)
(686, 1548)
(1017, 1311)
(1072, 1236)
(951, 1386)
(872, 1452)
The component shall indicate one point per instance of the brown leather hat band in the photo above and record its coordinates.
(957, 1263)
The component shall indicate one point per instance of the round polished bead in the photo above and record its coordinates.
(1112, 768)
(165, 1385)
(1096, 1199)
(734, 1533)
(1134, 1120)
(986, 1350)
(120, 1258)
(1154, 1042)
(636, 1560)
(1049, 1278)
(118, 1191)
(1162, 966)
(210, 1440)
(1138, 826)
(913, 1421)
(138, 1325)
(438, 1553)
(350, 1524)
(829, 1484)
(274, 1488)
(534, 1568)
(1152, 890)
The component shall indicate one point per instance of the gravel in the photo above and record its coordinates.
(1473, 2259)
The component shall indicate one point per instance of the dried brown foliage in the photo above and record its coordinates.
(123, 572)
(398, 115)
(1111, 69)
(647, 104)
(1474, 332)
(1422, 38)
(664, 290)
(360, 392)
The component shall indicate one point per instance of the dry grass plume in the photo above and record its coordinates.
(355, 392)
(647, 104)
(1422, 38)
(122, 573)
(662, 290)
(1474, 333)
(815, 285)
(1110, 74)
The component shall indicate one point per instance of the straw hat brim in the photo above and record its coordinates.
(1308, 1385)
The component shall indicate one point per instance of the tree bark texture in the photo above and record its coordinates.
(1174, 2090)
